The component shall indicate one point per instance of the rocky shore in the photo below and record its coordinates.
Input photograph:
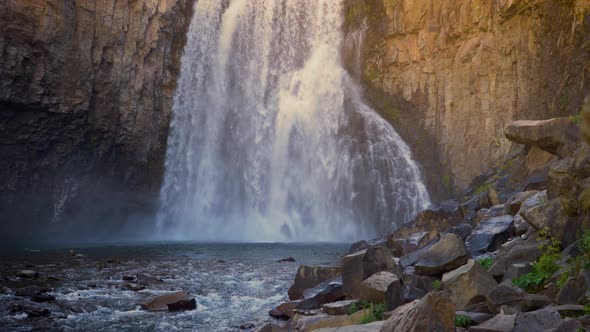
(512, 254)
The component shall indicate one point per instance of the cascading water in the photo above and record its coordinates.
(270, 140)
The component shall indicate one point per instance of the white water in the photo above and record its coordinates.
(270, 140)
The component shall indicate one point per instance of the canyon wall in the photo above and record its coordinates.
(451, 74)
(86, 92)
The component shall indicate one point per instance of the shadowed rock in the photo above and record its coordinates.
(309, 277)
(447, 254)
(467, 282)
(433, 312)
(160, 303)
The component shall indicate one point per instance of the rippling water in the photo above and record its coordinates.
(234, 284)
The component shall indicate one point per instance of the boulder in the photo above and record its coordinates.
(28, 274)
(410, 293)
(339, 307)
(466, 282)
(361, 265)
(374, 288)
(557, 136)
(394, 295)
(272, 328)
(332, 293)
(490, 234)
(370, 327)
(515, 202)
(434, 312)
(161, 302)
(552, 215)
(517, 251)
(505, 294)
(537, 158)
(540, 320)
(421, 282)
(43, 298)
(499, 323)
(445, 255)
(573, 291)
(562, 178)
(183, 305)
(462, 230)
(309, 277)
(284, 310)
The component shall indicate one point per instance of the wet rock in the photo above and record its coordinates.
(161, 302)
(332, 293)
(287, 260)
(557, 136)
(309, 277)
(466, 282)
(433, 312)
(43, 298)
(145, 279)
(246, 326)
(490, 234)
(27, 274)
(284, 311)
(499, 323)
(534, 321)
(31, 312)
(128, 278)
(32, 290)
(445, 255)
(374, 288)
(361, 265)
(339, 307)
(182, 305)
(272, 328)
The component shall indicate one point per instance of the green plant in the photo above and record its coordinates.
(373, 312)
(577, 119)
(437, 285)
(486, 262)
(462, 321)
(483, 187)
(544, 267)
(353, 309)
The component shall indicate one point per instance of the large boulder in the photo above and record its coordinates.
(540, 320)
(360, 265)
(374, 288)
(558, 136)
(339, 307)
(445, 255)
(500, 323)
(507, 297)
(490, 234)
(537, 158)
(573, 291)
(553, 215)
(434, 312)
(467, 282)
(309, 277)
(332, 293)
(517, 251)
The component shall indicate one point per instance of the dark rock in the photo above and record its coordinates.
(490, 234)
(144, 279)
(534, 301)
(161, 302)
(31, 291)
(309, 277)
(246, 326)
(361, 265)
(499, 323)
(445, 255)
(311, 292)
(394, 296)
(467, 282)
(514, 252)
(182, 305)
(28, 274)
(411, 293)
(133, 287)
(284, 311)
(515, 202)
(540, 320)
(128, 278)
(43, 298)
(38, 312)
(421, 282)
(433, 312)
(573, 291)
(476, 317)
(506, 294)
(272, 328)
(462, 230)
(287, 260)
(332, 293)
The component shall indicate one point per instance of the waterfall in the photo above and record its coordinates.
(270, 139)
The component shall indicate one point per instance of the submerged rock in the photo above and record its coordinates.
(287, 260)
(182, 305)
(161, 302)
(28, 274)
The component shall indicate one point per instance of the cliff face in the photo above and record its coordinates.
(85, 101)
(457, 72)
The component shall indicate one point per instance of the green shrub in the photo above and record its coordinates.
(543, 268)
(483, 188)
(462, 321)
(353, 309)
(437, 285)
(486, 262)
(373, 312)
(577, 119)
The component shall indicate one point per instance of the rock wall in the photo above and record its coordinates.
(85, 101)
(451, 74)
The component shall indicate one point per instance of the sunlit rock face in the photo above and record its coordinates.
(463, 70)
(85, 101)
(270, 138)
